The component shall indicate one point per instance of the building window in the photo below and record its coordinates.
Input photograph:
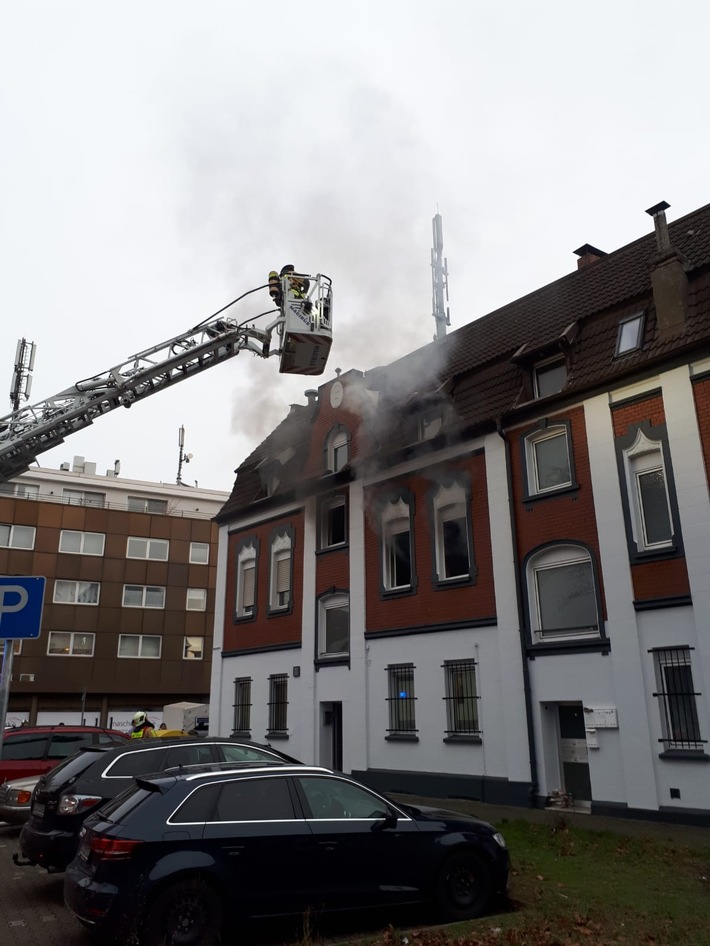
(549, 377)
(246, 581)
(20, 490)
(396, 546)
(76, 592)
(630, 334)
(333, 522)
(461, 698)
(648, 502)
(676, 695)
(70, 644)
(281, 568)
(334, 626)
(140, 645)
(155, 550)
(143, 596)
(17, 537)
(143, 504)
(196, 599)
(193, 648)
(199, 553)
(430, 425)
(547, 460)
(562, 593)
(401, 699)
(82, 497)
(242, 705)
(337, 449)
(82, 543)
(278, 703)
(452, 538)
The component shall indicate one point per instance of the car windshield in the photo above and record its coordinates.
(71, 767)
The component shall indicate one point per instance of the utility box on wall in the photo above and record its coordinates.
(601, 717)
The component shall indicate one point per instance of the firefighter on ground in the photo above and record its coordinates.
(142, 726)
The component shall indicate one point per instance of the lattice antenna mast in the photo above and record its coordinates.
(439, 280)
(22, 373)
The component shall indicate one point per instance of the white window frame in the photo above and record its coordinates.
(20, 490)
(144, 503)
(144, 590)
(280, 580)
(336, 459)
(625, 342)
(336, 602)
(395, 516)
(246, 581)
(194, 554)
(555, 557)
(196, 599)
(542, 367)
(79, 588)
(150, 548)
(674, 657)
(140, 655)
(13, 530)
(72, 635)
(645, 456)
(189, 647)
(451, 503)
(430, 425)
(326, 511)
(553, 432)
(83, 541)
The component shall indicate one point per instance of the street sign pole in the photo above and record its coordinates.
(5, 685)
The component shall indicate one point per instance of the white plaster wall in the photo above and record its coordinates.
(220, 722)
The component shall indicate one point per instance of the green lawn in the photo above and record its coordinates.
(575, 887)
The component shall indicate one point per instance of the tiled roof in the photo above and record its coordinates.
(473, 364)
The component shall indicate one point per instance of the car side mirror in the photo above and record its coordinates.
(388, 820)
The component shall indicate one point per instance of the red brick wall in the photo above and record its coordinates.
(332, 571)
(659, 578)
(328, 417)
(701, 392)
(431, 605)
(265, 629)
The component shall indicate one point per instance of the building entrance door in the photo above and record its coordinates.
(332, 735)
(573, 753)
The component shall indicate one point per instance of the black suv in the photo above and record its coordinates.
(65, 796)
(179, 855)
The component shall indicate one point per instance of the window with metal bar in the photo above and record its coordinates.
(461, 697)
(242, 705)
(401, 698)
(278, 702)
(676, 695)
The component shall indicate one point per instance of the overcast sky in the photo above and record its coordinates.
(158, 158)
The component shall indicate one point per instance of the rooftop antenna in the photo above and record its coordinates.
(439, 280)
(22, 374)
(182, 456)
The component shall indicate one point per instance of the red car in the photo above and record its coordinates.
(34, 750)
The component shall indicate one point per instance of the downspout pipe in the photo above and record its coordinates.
(532, 754)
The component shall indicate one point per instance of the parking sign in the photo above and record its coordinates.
(21, 603)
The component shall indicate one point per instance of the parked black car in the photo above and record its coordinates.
(64, 797)
(172, 859)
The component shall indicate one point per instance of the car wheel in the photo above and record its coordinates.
(463, 886)
(188, 913)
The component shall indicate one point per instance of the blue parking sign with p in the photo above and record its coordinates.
(21, 603)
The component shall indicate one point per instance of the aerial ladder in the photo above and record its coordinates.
(303, 331)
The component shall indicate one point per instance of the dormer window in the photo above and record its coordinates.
(337, 449)
(630, 334)
(549, 377)
(429, 426)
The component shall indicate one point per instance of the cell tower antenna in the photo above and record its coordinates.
(439, 280)
(22, 373)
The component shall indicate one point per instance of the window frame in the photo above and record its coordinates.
(77, 583)
(149, 540)
(640, 319)
(186, 646)
(12, 527)
(401, 705)
(133, 504)
(470, 697)
(540, 367)
(335, 599)
(242, 707)
(278, 705)
(676, 657)
(246, 559)
(82, 550)
(203, 592)
(83, 497)
(191, 557)
(449, 493)
(144, 595)
(338, 439)
(395, 509)
(546, 430)
(140, 655)
(556, 555)
(325, 531)
(72, 635)
(281, 569)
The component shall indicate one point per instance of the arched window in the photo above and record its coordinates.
(337, 449)
(246, 580)
(396, 546)
(562, 594)
(452, 538)
(281, 571)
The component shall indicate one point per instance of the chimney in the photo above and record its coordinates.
(311, 395)
(588, 254)
(668, 278)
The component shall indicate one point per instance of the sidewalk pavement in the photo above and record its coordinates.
(686, 835)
